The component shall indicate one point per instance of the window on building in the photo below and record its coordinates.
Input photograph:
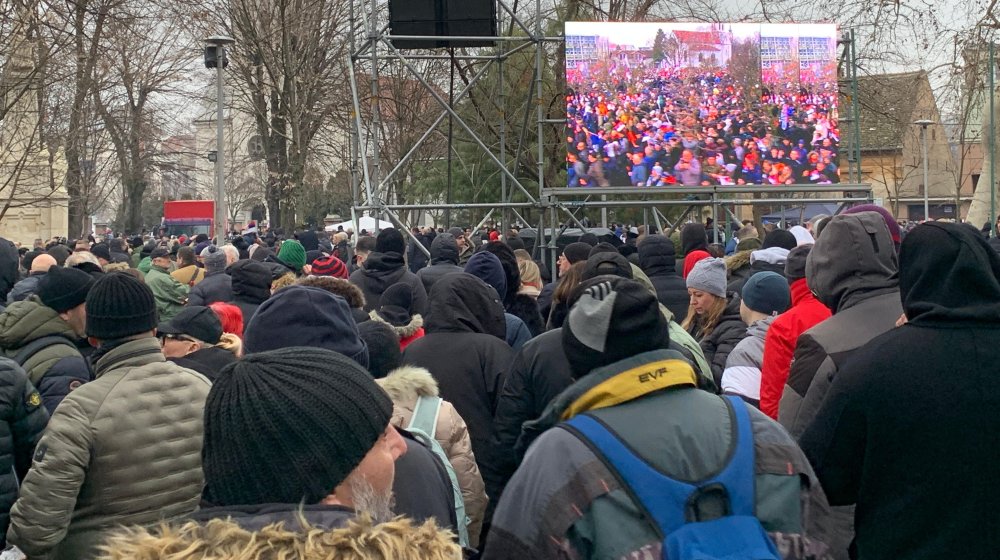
(975, 181)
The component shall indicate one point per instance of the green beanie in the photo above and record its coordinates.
(293, 254)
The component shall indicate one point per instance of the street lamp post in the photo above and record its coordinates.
(924, 123)
(219, 62)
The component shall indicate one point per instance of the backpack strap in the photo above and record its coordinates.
(425, 415)
(665, 500)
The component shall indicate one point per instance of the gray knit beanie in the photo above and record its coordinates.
(709, 275)
(214, 258)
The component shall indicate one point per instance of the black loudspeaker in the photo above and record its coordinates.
(441, 19)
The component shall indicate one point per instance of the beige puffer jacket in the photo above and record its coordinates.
(405, 385)
(124, 449)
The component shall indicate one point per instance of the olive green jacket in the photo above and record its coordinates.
(170, 294)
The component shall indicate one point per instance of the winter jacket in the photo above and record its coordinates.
(240, 533)
(407, 333)
(657, 260)
(404, 386)
(112, 456)
(382, 270)
(207, 361)
(907, 430)
(544, 300)
(444, 260)
(779, 344)
(763, 260)
(464, 350)
(525, 307)
(565, 503)
(852, 269)
(729, 331)
(56, 369)
(22, 420)
(25, 288)
(217, 286)
(188, 274)
(251, 283)
(416, 259)
(742, 374)
(170, 294)
(518, 333)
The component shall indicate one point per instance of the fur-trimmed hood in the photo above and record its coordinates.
(399, 539)
(406, 331)
(407, 383)
(737, 261)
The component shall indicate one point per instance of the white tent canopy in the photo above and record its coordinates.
(365, 222)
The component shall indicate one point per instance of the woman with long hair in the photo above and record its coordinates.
(560, 298)
(713, 317)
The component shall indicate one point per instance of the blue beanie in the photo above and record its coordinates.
(767, 292)
(305, 316)
(487, 267)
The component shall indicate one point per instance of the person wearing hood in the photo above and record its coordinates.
(770, 257)
(765, 296)
(47, 332)
(351, 294)
(779, 344)
(415, 256)
(9, 272)
(192, 340)
(395, 311)
(713, 317)
(487, 267)
(251, 282)
(385, 267)
(406, 385)
(523, 307)
(570, 499)
(907, 429)
(302, 317)
(853, 270)
(217, 285)
(444, 260)
(25, 288)
(694, 241)
(464, 350)
(657, 260)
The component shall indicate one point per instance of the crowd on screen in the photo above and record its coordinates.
(689, 126)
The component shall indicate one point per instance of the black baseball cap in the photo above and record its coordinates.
(195, 321)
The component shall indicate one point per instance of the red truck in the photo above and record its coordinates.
(189, 217)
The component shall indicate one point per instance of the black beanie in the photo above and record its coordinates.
(395, 305)
(390, 241)
(610, 322)
(780, 238)
(577, 252)
(118, 306)
(611, 263)
(589, 238)
(288, 426)
(305, 316)
(101, 251)
(384, 354)
(603, 247)
(63, 289)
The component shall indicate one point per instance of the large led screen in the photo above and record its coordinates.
(666, 104)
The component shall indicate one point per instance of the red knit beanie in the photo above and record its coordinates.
(330, 266)
(692, 258)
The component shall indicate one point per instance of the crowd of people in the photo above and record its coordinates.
(697, 127)
(651, 396)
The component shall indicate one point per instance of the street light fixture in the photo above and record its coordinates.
(215, 57)
(923, 124)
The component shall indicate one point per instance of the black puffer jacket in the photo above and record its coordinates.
(444, 260)
(724, 337)
(217, 286)
(658, 260)
(207, 361)
(464, 350)
(22, 421)
(382, 270)
(251, 282)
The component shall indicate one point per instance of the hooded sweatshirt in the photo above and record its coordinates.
(771, 259)
(907, 431)
(658, 260)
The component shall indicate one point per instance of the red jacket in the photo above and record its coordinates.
(779, 344)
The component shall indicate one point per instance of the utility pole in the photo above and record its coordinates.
(217, 59)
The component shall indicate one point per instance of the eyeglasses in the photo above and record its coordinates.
(181, 337)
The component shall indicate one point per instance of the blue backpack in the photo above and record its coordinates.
(672, 505)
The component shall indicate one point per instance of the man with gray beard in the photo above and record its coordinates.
(298, 434)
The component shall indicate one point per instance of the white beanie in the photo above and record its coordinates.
(709, 275)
